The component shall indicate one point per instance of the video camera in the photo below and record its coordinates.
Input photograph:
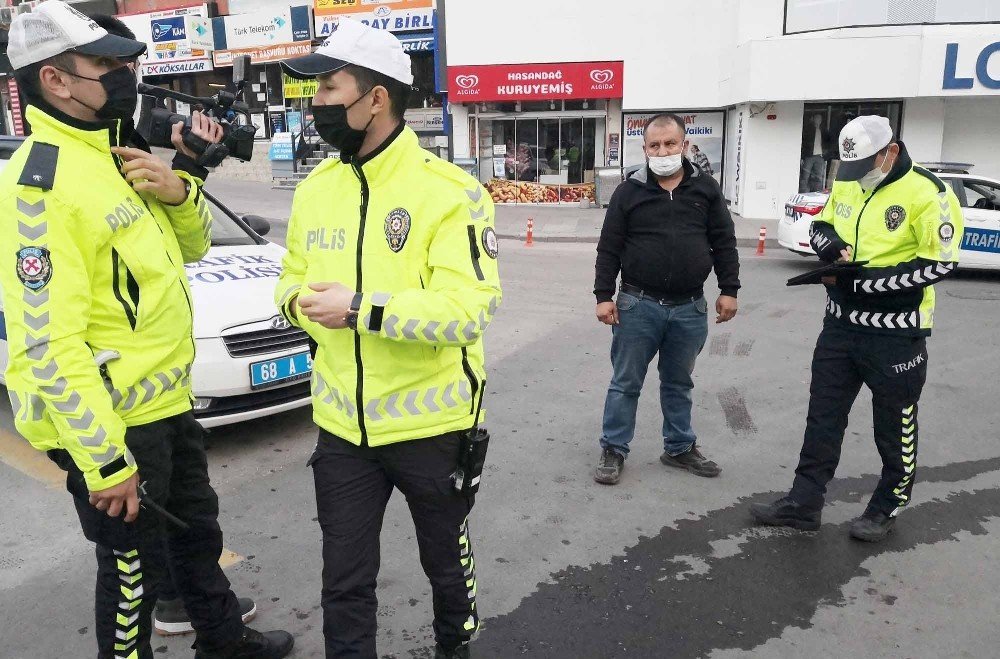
(155, 124)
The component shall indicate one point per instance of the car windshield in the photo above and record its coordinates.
(225, 230)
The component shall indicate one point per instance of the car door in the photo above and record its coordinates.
(980, 199)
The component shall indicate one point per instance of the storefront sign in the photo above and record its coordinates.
(281, 147)
(174, 35)
(299, 88)
(535, 82)
(418, 43)
(262, 28)
(425, 119)
(395, 16)
(960, 66)
(262, 54)
(704, 135)
(173, 68)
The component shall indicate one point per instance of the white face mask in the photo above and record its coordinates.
(665, 165)
(872, 179)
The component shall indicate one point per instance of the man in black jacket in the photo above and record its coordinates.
(667, 226)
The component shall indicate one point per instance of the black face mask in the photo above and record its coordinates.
(331, 124)
(120, 86)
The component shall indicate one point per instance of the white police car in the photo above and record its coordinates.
(978, 195)
(250, 363)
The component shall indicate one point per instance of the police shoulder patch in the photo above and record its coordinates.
(397, 228)
(946, 232)
(894, 217)
(34, 267)
(490, 243)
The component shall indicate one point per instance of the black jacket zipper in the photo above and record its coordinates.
(473, 381)
(365, 192)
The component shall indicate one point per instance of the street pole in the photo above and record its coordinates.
(441, 25)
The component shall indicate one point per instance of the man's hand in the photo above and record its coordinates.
(147, 173)
(725, 308)
(845, 256)
(607, 313)
(203, 127)
(122, 496)
(329, 305)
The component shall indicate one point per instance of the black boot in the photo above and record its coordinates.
(461, 652)
(872, 527)
(785, 512)
(253, 645)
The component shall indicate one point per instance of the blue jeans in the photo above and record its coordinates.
(678, 334)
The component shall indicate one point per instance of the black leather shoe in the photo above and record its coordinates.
(872, 527)
(253, 645)
(785, 512)
(609, 468)
(461, 652)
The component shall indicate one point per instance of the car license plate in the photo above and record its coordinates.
(283, 369)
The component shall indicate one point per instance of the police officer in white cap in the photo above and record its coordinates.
(392, 270)
(904, 225)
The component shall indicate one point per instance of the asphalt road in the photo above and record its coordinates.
(666, 564)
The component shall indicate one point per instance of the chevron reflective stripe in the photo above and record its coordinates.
(324, 393)
(380, 299)
(923, 276)
(905, 320)
(908, 456)
(147, 389)
(468, 563)
(206, 217)
(434, 331)
(130, 594)
(416, 402)
(946, 229)
(287, 294)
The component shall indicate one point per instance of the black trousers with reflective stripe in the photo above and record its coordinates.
(170, 455)
(894, 368)
(353, 486)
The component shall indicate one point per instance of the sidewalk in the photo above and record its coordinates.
(574, 224)
(552, 223)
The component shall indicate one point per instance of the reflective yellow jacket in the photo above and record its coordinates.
(415, 235)
(87, 265)
(909, 230)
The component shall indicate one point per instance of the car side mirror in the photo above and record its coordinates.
(260, 225)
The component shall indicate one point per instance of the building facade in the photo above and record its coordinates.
(753, 79)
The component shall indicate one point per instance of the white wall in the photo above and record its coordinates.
(971, 134)
(460, 143)
(772, 150)
(923, 128)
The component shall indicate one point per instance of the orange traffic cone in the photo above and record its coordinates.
(530, 240)
(760, 241)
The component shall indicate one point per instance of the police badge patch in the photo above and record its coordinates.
(946, 232)
(397, 228)
(34, 267)
(894, 216)
(490, 243)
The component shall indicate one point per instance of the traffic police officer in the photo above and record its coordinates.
(906, 225)
(92, 271)
(391, 268)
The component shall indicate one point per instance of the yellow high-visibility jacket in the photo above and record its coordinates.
(415, 235)
(87, 265)
(909, 230)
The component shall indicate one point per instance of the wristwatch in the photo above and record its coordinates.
(352, 314)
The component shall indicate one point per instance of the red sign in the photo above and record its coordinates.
(15, 107)
(535, 82)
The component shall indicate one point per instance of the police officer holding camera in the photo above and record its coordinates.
(392, 269)
(92, 266)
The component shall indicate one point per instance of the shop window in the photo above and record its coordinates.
(821, 126)
(423, 94)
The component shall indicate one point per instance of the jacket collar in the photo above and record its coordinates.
(644, 177)
(381, 163)
(54, 127)
(902, 167)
